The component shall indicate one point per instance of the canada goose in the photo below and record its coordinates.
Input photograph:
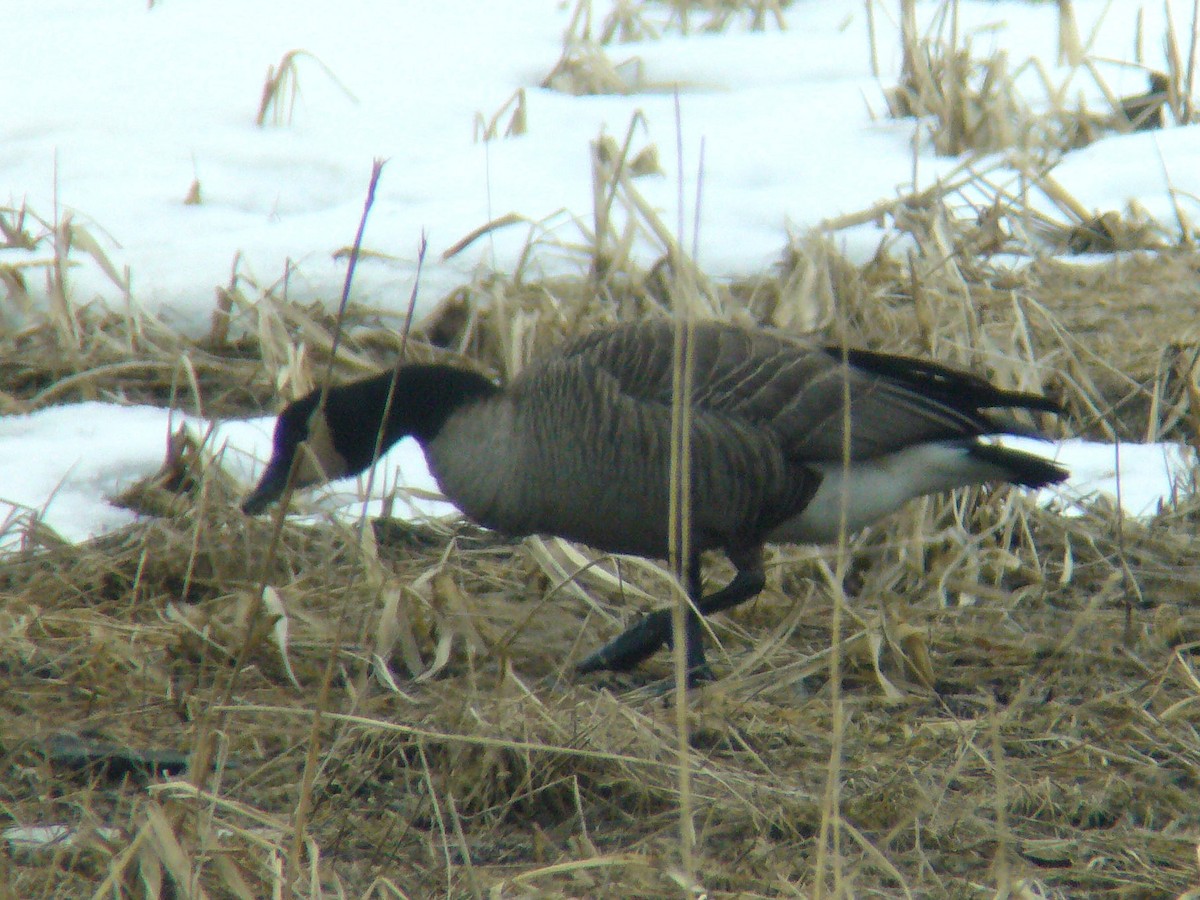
(578, 446)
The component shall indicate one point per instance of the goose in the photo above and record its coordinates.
(578, 445)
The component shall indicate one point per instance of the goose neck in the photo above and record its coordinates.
(427, 395)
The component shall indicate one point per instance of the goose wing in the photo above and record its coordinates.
(799, 390)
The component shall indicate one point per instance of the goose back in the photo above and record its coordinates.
(798, 389)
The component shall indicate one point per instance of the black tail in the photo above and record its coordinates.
(1019, 467)
(955, 388)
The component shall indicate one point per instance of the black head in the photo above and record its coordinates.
(340, 440)
(298, 421)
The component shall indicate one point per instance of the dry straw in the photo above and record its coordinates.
(1009, 708)
(281, 88)
(973, 104)
(950, 604)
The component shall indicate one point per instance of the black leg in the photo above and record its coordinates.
(632, 646)
(693, 628)
(654, 631)
(639, 641)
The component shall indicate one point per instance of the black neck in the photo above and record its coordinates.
(425, 396)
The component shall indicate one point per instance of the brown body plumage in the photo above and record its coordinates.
(579, 446)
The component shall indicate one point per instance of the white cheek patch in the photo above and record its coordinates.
(318, 461)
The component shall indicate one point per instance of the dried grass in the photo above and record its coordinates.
(584, 68)
(630, 20)
(281, 88)
(971, 104)
(988, 656)
(1010, 709)
(488, 129)
(1017, 687)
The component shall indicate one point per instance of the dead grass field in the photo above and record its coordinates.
(1008, 707)
(1017, 689)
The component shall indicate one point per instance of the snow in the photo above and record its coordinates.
(111, 110)
(1145, 476)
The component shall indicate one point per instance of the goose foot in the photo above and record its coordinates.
(632, 646)
(643, 638)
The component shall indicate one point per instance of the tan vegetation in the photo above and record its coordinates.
(972, 103)
(1008, 708)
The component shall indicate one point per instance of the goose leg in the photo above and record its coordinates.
(654, 631)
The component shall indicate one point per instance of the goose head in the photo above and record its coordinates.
(314, 444)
